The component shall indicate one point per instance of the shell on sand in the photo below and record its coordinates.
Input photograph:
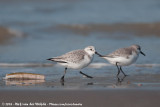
(22, 75)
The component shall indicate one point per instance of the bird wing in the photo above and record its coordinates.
(122, 52)
(73, 56)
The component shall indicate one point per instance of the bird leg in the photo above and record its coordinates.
(62, 78)
(118, 69)
(123, 72)
(85, 75)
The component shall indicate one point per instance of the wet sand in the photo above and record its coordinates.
(139, 90)
(88, 98)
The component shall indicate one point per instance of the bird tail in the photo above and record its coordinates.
(56, 60)
(51, 59)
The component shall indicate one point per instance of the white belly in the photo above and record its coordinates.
(123, 61)
(79, 65)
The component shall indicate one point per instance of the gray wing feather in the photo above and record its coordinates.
(73, 56)
(122, 52)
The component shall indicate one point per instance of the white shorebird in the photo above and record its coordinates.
(76, 59)
(123, 57)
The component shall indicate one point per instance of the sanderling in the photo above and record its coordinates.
(76, 59)
(123, 57)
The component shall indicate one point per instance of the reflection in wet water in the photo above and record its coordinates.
(90, 83)
(120, 80)
(23, 82)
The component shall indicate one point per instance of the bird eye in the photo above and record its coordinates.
(91, 49)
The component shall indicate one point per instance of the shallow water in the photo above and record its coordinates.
(40, 21)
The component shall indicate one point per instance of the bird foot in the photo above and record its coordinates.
(85, 75)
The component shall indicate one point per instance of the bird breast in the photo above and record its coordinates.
(81, 64)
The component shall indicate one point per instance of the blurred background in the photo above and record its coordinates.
(33, 30)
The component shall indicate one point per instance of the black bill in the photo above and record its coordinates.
(98, 54)
(142, 53)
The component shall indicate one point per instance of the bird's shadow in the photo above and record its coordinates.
(120, 80)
